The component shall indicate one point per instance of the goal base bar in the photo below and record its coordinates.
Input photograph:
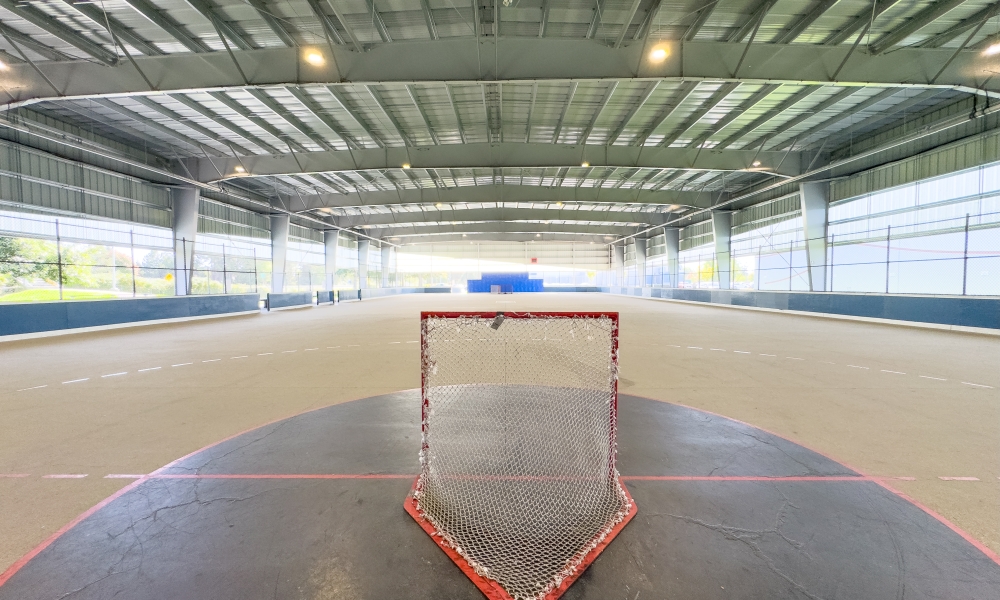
(491, 589)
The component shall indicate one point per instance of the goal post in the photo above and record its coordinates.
(518, 480)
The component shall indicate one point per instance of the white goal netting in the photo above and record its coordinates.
(518, 460)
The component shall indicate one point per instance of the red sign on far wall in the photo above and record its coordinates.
(534, 261)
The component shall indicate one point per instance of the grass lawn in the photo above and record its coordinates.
(53, 295)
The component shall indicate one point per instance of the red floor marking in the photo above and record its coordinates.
(286, 476)
(65, 476)
(15, 475)
(747, 478)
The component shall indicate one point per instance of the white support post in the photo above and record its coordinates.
(722, 229)
(617, 265)
(386, 261)
(640, 262)
(815, 198)
(363, 246)
(673, 242)
(279, 250)
(330, 241)
(185, 229)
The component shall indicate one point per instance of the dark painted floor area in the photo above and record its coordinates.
(189, 533)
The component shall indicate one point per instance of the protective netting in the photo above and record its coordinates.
(518, 462)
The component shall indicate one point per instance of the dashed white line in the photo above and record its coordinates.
(287, 351)
(673, 345)
(767, 354)
(123, 476)
(237, 357)
(149, 369)
(958, 478)
(309, 349)
(181, 364)
(934, 378)
(333, 347)
(354, 345)
(794, 358)
(114, 374)
(412, 342)
(77, 380)
(695, 348)
(37, 387)
(856, 367)
(14, 475)
(893, 372)
(402, 342)
(65, 476)
(718, 349)
(212, 360)
(740, 352)
(978, 385)
(265, 353)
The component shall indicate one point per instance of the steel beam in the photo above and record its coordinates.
(429, 18)
(167, 24)
(317, 111)
(756, 15)
(223, 122)
(973, 20)
(734, 114)
(286, 115)
(32, 44)
(650, 88)
(249, 115)
(378, 22)
(208, 11)
(703, 14)
(141, 121)
(50, 25)
(600, 109)
(506, 155)
(471, 238)
(708, 105)
(120, 31)
(501, 213)
(918, 22)
(329, 27)
(343, 23)
(863, 20)
(358, 119)
(749, 128)
(808, 114)
(546, 7)
(377, 97)
(805, 21)
(388, 231)
(863, 105)
(628, 22)
(273, 22)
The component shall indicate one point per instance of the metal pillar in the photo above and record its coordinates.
(185, 230)
(815, 210)
(279, 249)
(330, 241)
(673, 240)
(617, 265)
(722, 229)
(640, 262)
(386, 261)
(363, 246)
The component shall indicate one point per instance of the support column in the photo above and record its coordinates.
(617, 264)
(279, 249)
(185, 229)
(673, 241)
(640, 262)
(386, 261)
(815, 198)
(722, 229)
(363, 246)
(330, 241)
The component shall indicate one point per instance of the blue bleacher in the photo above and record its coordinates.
(508, 282)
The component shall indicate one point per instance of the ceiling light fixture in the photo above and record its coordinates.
(559, 204)
(756, 163)
(585, 164)
(992, 50)
(239, 169)
(438, 205)
(3, 66)
(406, 165)
(658, 54)
(538, 235)
(314, 58)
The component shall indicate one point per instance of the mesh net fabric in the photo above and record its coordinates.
(518, 463)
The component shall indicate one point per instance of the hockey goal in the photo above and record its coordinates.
(518, 483)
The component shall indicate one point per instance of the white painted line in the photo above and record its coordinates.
(718, 349)
(308, 349)
(123, 476)
(37, 387)
(794, 358)
(767, 355)
(695, 348)
(65, 476)
(989, 387)
(115, 374)
(354, 345)
(287, 351)
(402, 342)
(902, 478)
(149, 369)
(856, 367)
(958, 478)
(412, 342)
(934, 378)
(673, 345)
(265, 353)
(740, 352)
(77, 380)
(333, 347)
(893, 372)
(236, 357)
(826, 362)
(181, 364)
(14, 475)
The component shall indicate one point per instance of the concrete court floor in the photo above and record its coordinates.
(887, 400)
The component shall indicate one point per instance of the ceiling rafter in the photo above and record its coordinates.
(286, 115)
(918, 22)
(223, 122)
(105, 21)
(682, 94)
(543, 24)
(805, 21)
(53, 27)
(167, 24)
(862, 21)
(380, 102)
(378, 22)
(643, 97)
(863, 105)
(358, 119)
(248, 114)
(423, 114)
(721, 94)
(627, 22)
(562, 117)
(785, 105)
(973, 20)
(329, 27)
(429, 18)
(595, 22)
(32, 44)
(351, 37)
(180, 119)
(317, 111)
(454, 108)
(807, 114)
(703, 15)
(881, 117)
(210, 12)
(600, 109)
(647, 21)
(280, 27)
(731, 115)
(757, 14)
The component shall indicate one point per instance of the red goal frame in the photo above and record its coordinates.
(490, 588)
